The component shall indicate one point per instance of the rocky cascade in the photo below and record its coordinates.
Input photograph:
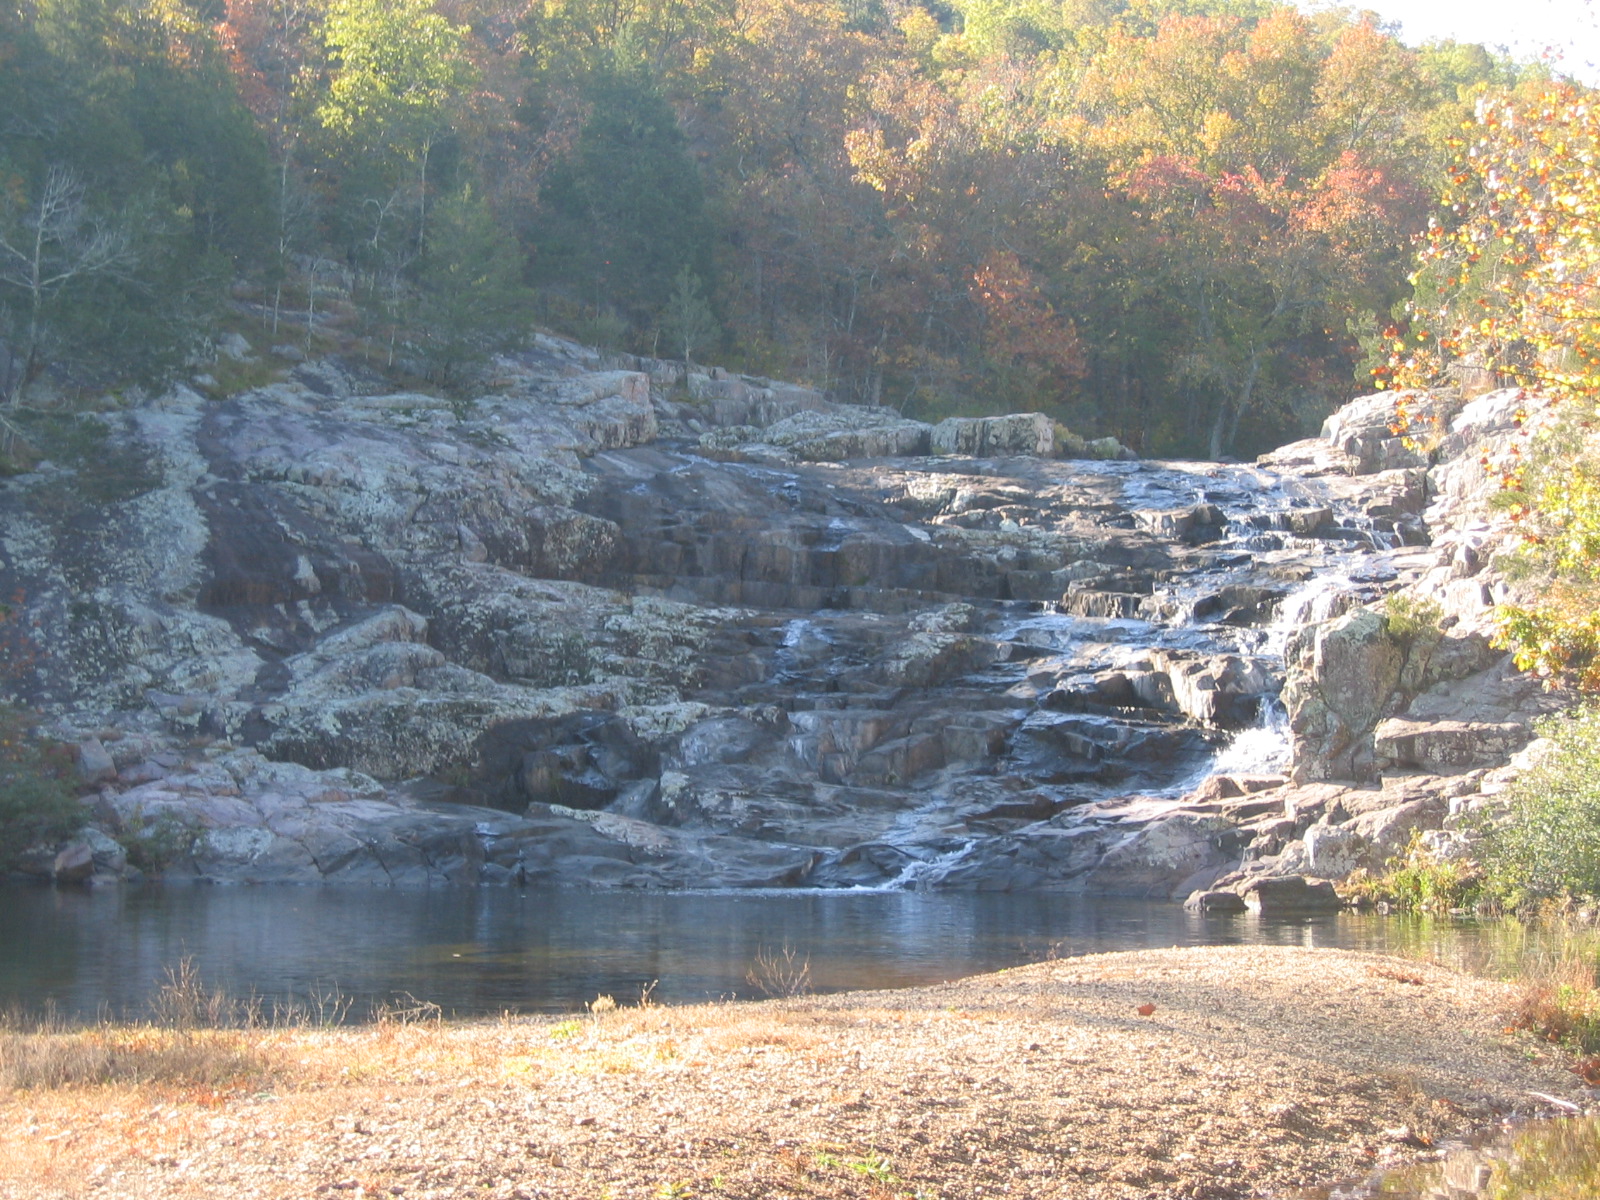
(617, 623)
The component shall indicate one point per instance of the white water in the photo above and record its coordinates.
(926, 873)
(1263, 749)
(1266, 747)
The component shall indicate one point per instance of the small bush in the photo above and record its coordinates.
(155, 843)
(1418, 880)
(37, 805)
(1555, 503)
(1558, 639)
(185, 1001)
(1546, 845)
(780, 973)
(1412, 621)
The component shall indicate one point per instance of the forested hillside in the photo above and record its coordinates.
(1182, 222)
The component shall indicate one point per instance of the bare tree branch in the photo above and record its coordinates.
(61, 240)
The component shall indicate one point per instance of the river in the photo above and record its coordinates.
(490, 950)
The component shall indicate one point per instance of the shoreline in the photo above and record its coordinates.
(1208, 1073)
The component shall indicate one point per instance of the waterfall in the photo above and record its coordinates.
(1266, 747)
(925, 873)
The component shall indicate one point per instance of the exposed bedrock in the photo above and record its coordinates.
(619, 624)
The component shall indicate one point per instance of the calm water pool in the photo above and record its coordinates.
(491, 950)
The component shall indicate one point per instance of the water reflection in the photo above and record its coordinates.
(1540, 1160)
(491, 950)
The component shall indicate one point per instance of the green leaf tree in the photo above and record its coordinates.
(472, 300)
(396, 68)
(688, 322)
(625, 209)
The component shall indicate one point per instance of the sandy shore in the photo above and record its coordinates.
(1198, 1073)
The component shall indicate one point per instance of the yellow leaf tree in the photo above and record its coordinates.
(1511, 291)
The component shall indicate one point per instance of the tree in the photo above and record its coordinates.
(57, 243)
(37, 806)
(624, 210)
(1509, 291)
(270, 46)
(132, 184)
(472, 300)
(688, 322)
(396, 67)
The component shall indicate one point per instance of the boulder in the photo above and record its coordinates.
(610, 408)
(1446, 747)
(1371, 840)
(1342, 676)
(1221, 691)
(95, 764)
(110, 858)
(1017, 433)
(74, 863)
(838, 433)
(1290, 896)
(1161, 859)
(1365, 430)
(1215, 901)
(882, 441)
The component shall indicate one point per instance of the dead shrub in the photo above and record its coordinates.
(780, 974)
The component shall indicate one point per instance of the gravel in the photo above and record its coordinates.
(1205, 1074)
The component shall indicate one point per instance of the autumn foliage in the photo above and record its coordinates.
(1177, 221)
(1509, 294)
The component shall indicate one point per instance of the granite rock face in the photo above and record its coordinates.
(619, 623)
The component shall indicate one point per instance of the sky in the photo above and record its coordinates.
(1525, 27)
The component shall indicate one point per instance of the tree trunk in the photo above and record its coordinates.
(422, 198)
(1226, 426)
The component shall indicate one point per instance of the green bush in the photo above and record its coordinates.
(154, 843)
(1418, 880)
(1412, 621)
(37, 805)
(1547, 843)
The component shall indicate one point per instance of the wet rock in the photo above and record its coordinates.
(1223, 691)
(1088, 603)
(1215, 902)
(1289, 896)
(545, 634)
(73, 863)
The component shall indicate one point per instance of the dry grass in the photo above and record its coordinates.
(1558, 997)
(197, 1037)
(1043, 1082)
(41, 1055)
